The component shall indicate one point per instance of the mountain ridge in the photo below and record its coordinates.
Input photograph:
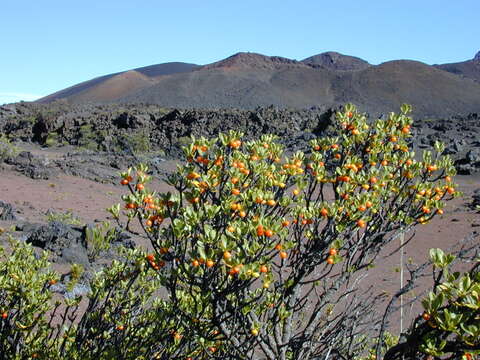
(248, 80)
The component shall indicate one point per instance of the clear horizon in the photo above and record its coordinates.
(48, 46)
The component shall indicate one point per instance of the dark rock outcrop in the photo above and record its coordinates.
(7, 212)
(470, 163)
(35, 167)
(69, 243)
(476, 199)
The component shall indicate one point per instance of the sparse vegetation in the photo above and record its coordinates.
(99, 238)
(138, 142)
(7, 149)
(67, 218)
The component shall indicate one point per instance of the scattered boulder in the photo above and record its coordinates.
(7, 212)
(35, 167)
(470, 163)
(66, 242)
(476, 199)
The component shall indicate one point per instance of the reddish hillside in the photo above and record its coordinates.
(249, 80)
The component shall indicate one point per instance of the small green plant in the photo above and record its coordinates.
(7, 149)
(123, 318)
(449, 327)
(66, 218)
(139, 142)
(99, 238)
(88, 138)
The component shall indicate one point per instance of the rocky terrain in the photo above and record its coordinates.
(60, 168)
(249, 80)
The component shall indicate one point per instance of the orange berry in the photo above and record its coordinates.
(120, 327)
(260, 230)
(426, 316)
(373, 180)
(451, 190)
(4, 315)
(235, 270)
(362, 208)
(194, 200)
(263, 269)
(296, 192)
(332, 252)
(242, 214)
(350, 114)
(283, 254)
(271, 202)
(405, 130)
(278, 247)
(368, 204)
(361, 223)
(330, 260)
(124, 182)
(195, 263)
(150, 257)
(440, 211)
(209, 263)
(230, 229)
(235, 191)
(285, 223)
(268, 233)
(324, 212)
(337, 156)
(227, 255)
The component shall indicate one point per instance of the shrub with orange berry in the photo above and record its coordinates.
(245, 206)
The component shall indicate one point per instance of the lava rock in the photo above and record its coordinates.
(473, 156)
(7, 212)
(66, 242)
(476, 198)
(33, 166)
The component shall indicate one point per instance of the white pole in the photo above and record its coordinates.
(401, 280)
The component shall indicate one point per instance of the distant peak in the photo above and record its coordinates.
(477, 57)
(336, 61)
(250, 59)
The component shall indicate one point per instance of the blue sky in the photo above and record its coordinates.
(47, 45)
